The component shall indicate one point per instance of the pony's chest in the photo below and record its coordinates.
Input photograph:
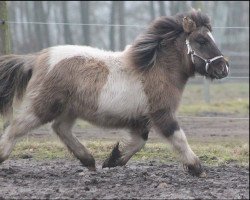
(123, 95)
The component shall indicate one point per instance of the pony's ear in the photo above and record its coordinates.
(188, 25)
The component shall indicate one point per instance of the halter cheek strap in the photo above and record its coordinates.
(192, 53)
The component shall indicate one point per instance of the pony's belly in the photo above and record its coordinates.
(122, 96)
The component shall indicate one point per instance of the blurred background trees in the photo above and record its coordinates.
(83, 23)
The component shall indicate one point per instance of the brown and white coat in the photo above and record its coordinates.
(138, 88)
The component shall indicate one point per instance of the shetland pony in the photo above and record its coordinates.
(138, 88)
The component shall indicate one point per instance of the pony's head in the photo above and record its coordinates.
(184, 37)
(205, 56)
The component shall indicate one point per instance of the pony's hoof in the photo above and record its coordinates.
(111, 164)
(194, 170)
(2, 159)
(88, 162)
(93, 168)
(114, 159)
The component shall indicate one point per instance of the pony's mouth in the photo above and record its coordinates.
(218, 75)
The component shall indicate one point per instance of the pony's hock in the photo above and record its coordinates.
(138, 88)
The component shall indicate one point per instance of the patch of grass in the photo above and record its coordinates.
(211, 153)
(217, 153)
(219, 92)
(40, 149)
(237, 107)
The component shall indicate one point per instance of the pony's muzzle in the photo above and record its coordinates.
(221, 70)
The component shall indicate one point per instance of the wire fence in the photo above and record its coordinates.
(126, 25)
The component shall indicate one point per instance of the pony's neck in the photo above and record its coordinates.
(173, 65)
(168, 65)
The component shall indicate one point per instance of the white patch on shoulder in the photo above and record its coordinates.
(59, 53)
(123, 94)
(210, 35)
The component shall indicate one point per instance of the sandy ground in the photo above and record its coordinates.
(67, 179)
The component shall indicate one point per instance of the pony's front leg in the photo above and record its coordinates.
(166, 124)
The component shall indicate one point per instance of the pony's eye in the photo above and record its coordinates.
(201, 40)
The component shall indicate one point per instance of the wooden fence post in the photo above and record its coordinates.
(4, 30)
(206, 90)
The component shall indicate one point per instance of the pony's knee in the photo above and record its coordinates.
(165, 122)
(55, 126)
(170, 128)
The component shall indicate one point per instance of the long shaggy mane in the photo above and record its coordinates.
(161, 31)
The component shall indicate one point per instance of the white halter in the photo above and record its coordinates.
(207, 61)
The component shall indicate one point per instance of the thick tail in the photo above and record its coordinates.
(15, 73)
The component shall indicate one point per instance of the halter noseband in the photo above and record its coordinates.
(207, 61)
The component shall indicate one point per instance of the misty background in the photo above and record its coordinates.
(111, 25)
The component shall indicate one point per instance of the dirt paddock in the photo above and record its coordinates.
(67, 179)
(62, 179)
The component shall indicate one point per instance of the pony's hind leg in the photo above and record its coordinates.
(17, 128)
(8, 117)
(62, 127)
(139, 133)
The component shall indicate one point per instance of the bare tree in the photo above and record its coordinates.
(162, 8)
(112, 28)
(152, 10)
(174, 7)
(121, 17)
(38, 28)
(12, 28)
(29, 17)
(85, 15)
(42, 31)
(23, 26)
(4, 29)
(66, 30)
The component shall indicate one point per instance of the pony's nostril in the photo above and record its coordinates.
(218, 72)
(225, 69)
